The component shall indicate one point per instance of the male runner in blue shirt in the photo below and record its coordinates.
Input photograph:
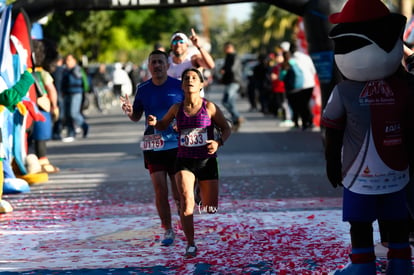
(154, 97)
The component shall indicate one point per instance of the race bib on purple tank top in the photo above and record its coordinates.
(193, 137)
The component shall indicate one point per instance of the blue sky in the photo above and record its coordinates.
(239, 11)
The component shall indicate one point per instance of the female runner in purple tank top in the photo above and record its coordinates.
(196, 119)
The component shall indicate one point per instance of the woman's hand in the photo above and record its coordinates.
(152, 120)
(212, 146)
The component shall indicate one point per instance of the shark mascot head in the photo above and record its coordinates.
(368, 40)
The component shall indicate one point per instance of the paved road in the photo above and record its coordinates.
(278, 214)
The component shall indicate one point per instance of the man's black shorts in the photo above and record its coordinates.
(156, 161)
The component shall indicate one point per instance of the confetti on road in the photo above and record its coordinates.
(87, 234)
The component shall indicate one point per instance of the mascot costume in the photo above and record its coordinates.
(18, 107)
(13, 87)
(26, 166)
(369, 121)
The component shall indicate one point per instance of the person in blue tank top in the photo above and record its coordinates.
(156, 96)
(197, 120)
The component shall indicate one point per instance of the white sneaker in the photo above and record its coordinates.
(286, 123)
(191, 251)
(68, 139)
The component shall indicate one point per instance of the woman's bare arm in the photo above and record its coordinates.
(166, 120)
(221, 123)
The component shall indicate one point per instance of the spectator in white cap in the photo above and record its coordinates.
(183, 57)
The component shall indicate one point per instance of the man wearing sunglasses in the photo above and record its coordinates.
(184, 57)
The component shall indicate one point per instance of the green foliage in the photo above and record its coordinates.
(271, 25)
(129, 35)
(109, 36)
(267, 27)
(80, 33)
(165, 21)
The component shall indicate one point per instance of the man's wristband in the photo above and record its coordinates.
(220, 142)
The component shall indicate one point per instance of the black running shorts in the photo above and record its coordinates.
(203, 169)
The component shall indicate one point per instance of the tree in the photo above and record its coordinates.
(79, 33)
(109, 36)
(268, 26)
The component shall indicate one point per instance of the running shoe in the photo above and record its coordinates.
(287, 123)
(191, 251)
(168, 237)
(68, 139)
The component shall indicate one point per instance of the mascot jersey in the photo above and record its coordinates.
(373, 114)
(156, 100)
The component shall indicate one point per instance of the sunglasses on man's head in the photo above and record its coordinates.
(175, 42)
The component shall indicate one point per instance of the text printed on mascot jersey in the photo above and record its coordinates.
(193, 137)
(151, 142)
